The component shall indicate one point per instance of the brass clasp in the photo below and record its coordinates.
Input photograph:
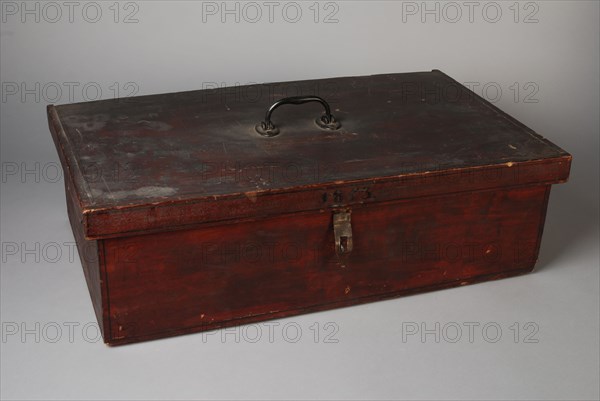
(342, 231)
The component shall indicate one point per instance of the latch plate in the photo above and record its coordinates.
(342, 231)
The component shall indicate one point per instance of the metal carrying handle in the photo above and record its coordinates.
(325, 121)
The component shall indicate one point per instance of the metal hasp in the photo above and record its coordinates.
(342, 231)
(326, 121)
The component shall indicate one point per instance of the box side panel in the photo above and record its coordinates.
(544, 210)
(192, 280)
(90, 253)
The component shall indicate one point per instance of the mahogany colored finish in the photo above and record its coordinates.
(186, 219)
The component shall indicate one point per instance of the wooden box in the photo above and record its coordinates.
(204, 209)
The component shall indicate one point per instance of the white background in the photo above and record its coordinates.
(550, 49)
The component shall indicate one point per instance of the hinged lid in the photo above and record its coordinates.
(171, 161)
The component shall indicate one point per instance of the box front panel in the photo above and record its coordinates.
(198, 279)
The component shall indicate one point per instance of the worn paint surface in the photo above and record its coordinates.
(288, 264)
(201, 145)
(191, 216)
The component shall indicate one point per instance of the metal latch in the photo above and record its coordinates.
(342, 231)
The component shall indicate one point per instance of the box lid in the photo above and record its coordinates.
(171, 161)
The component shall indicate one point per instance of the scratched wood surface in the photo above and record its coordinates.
(201, 145)
(196, 280)
(187, 220)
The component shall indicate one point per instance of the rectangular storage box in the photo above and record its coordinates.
(204, 209)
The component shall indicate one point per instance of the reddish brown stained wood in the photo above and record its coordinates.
(199, 279)
(91, 255)
(175, 238)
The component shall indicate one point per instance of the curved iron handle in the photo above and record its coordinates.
(325, 121)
